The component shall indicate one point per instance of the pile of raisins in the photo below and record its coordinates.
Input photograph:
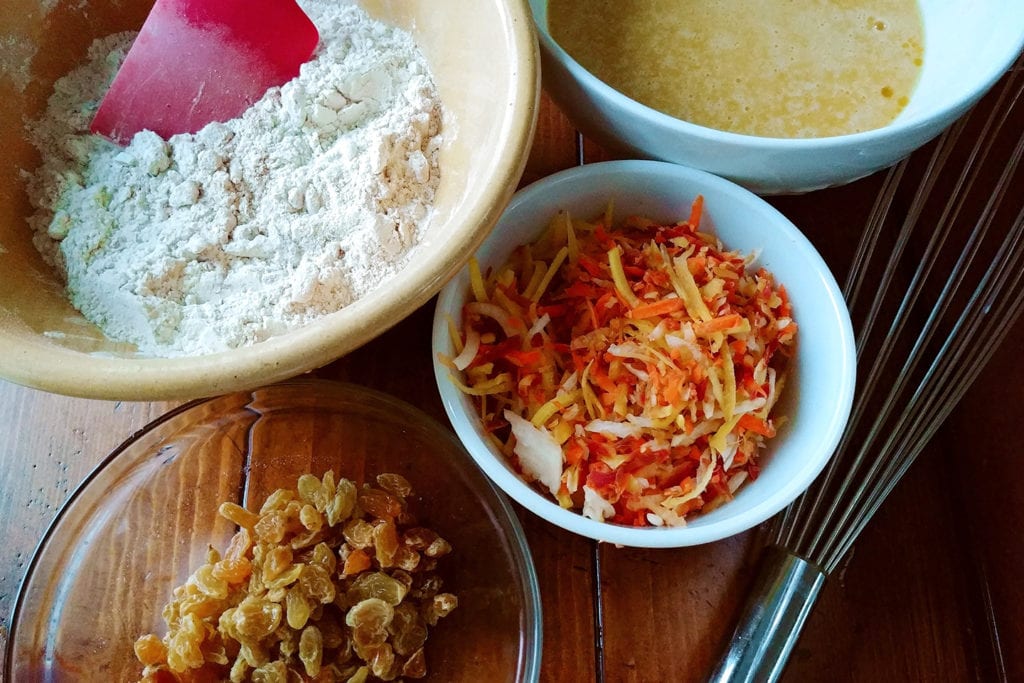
(329, 582)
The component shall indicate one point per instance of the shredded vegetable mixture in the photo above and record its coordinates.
(629, 370)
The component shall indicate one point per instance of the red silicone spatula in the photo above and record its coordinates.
(197, 61)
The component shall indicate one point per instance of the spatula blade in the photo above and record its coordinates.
(198, 61)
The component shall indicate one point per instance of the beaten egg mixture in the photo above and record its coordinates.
(773, 68)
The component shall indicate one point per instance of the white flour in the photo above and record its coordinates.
(246, 229)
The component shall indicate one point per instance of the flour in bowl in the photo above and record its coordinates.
(249, 228)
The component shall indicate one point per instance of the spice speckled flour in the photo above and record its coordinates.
(248, 228)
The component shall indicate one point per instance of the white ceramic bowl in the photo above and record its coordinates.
(820, 387)
(969, 44)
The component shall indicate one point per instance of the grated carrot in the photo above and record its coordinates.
(644, 354)
(658, 308)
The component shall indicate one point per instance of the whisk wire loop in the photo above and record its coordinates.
(947, 286)
(818, 523)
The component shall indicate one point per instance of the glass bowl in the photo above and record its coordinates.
(143, 521)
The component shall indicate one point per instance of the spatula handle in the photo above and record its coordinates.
(780, 601)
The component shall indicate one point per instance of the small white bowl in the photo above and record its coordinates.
(819, 390)
(969, 44)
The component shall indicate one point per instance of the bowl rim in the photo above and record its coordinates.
(45, 365)
(651, 537)
(653, 117)
(531, 637)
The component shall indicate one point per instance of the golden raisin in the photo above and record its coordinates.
(372, 613)
(366, 638)
(403, 577)
(277, 561)
(285, 578)
(276, 500)
(385, 543)
(150, 650)
(418, 538)
(427, 587)
(407, 630)
(324, 557)
(340, 507)
(311, 518)
(297, 608)
(209, 583)
(199, 605)
(234, 571)
(239, 546)
(416, 665)
(272, 672)
(438, 548)
(395, 483)
(360, 675)
(183, 646)
(271, 527)
(311, 490)
(359, 533)
(306, 538)
(257, 618)
(238, 670)
(406, 558)
(238, 514)
(311, 650)
(440, 606)
(315, 582)
(382, 664)
(357, 561)
(376, 585)
(329, 483)
(379, 503)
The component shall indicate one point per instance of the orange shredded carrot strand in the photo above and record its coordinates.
(658, 308)
(752, 423)
(719, 324)
(696, 210)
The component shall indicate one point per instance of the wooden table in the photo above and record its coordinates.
(931, 591)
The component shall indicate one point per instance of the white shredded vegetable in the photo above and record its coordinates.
(596, 507)
(538, 453)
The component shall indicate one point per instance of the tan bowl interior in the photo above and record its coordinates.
(483, 55)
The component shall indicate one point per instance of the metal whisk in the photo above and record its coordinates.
(946, 279)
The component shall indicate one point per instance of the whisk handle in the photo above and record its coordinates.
(780, 601)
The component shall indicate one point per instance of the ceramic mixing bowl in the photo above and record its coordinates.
(483, 57)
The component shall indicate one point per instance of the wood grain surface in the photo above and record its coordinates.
(930, 592)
